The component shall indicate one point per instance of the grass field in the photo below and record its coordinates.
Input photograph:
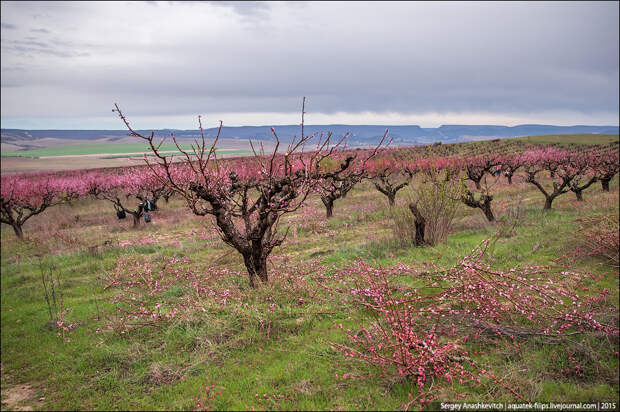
(102, 149)
(117, 150)
(271, 347)
(571, 139)
(177, 154)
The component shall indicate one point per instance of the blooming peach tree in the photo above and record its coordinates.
(477, 165)
(25, 196)
(557, 163)
(247, 197)
(333, 186)
(389, 175)
(121, 187)
(606, 165)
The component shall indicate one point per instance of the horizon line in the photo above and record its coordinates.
(335, 124)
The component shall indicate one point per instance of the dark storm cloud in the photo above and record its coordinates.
(179, 58)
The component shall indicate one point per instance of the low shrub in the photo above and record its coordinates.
(437, 201)
(420, 332)
(600, 236)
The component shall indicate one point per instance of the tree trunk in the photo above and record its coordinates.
(579, 195)
(420, 224)
(329, 206)
(391, 198)
(477, 184)
(249, 266)
(605, 184)
(488, 213)
(483, 204)
(389, 191)
(548, 201)
(261, 270)
(509, 179)
(420, 227)
(256, 267)
(18, 231)
(136, 219)
(329, 210)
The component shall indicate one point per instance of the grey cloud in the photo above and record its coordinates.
(8, 26)
(402, 57)
(242, 8)
(11, 76)
(39, 30)
(32, 51)
(32, 46)
(30, 42)
(251, 13)
(245, 8)
(17, 67)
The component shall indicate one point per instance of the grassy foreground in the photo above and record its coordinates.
(269, 348)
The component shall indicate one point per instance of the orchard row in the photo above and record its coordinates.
(27, 195)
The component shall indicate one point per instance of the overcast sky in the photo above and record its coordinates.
(64, 64)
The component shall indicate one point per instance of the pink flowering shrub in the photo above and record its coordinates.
(600, 236)
(420, 332)
(64, 329)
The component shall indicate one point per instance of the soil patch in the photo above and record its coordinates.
(17, 398)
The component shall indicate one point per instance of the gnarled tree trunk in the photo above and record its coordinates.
(578, 190)
(605, 184)
(484, 203)
(329, 206)
(558, 189)
(391, 198)
(548, 202)
(256, 265)
(579, 194)
(420, 224)
(18, 231)
(136, 219)
(486, 208)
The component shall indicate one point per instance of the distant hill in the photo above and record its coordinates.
(360, 134)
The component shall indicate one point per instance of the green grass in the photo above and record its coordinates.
(177, 154)
(570, 139)
(263, 349)
(103, 148)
